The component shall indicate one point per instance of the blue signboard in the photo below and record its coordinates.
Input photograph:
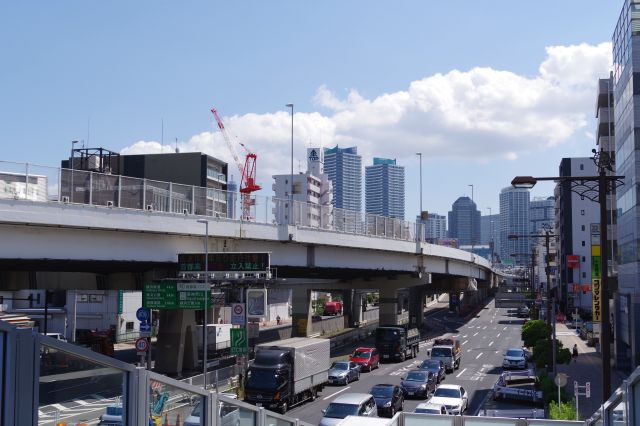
(142, 314)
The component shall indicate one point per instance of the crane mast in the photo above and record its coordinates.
(247, 170)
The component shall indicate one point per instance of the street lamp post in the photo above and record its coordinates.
(421, 223)
(595, 188)
(491, 232)
(291, 186)
(550, 300)
(206, 298)
(472, 217)
(419, 154)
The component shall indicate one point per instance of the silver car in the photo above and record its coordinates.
(349, 404)
(343, 372)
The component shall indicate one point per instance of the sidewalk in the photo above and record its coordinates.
(587, 368)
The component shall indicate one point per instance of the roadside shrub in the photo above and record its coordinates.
(566, 411)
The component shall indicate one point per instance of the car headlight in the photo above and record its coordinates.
(388, 404)
(423, 387)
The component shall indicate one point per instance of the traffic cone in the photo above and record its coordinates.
(166, 420)
(178, 422)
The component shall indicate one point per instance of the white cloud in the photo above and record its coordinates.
(481, 114)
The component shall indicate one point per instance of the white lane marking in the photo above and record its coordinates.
(468, 350)
(58, 407)
(457, 375)
(335, 393)
(491, 343)
(80, 402)
(504, 329)
(473, 319)
(462, 342)
(479, 355)
(464, 337)
(484, 328)
(496, 336)
(476, 333)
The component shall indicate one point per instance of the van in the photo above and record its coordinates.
(57, 336)
(349, 404)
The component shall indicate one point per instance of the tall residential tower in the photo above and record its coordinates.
(384, 188)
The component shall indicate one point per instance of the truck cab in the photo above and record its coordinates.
(268, 378)
(448, 351)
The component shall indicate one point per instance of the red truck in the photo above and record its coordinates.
(333, 308)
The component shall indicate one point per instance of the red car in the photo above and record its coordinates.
(367, 358)
(333, 308)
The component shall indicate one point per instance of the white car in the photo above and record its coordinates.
(453, 397)
(515, 358)
(431, 408)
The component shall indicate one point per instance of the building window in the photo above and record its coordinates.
(583, 244)
(129, 325)
(584, 275)
(584, 259)
(582, 227)
(582, 212)
(581, 166)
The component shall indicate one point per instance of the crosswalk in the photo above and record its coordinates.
(88, 409)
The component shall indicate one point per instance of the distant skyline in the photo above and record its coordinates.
(485, 90)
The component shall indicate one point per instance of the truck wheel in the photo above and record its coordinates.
(283, 408)
(403, 357)
(314, 394)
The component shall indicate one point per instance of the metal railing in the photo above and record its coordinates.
(24, 181)
(623, 407)
(48, 382)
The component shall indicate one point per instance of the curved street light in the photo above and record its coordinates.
(594, 188)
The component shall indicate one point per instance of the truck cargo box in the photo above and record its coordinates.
(311, 355)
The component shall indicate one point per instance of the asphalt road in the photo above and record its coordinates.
(484, 340)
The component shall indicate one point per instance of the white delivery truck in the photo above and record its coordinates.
(288, 372)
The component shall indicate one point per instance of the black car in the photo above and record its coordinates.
(389, 399)
(418, 384)
(434, 366)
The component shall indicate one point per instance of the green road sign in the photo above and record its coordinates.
(238, 341)
(172, 295)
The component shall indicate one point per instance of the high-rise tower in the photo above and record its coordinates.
(384, 188)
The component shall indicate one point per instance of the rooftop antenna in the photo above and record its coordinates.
(177, 150)
(162, 133)
(88, 130)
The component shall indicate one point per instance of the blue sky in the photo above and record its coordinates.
(472, 85)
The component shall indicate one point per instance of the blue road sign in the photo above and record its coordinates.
(142, 314)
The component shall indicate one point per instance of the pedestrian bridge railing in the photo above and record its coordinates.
(46, 382)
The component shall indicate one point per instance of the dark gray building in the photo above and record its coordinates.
(464, 222)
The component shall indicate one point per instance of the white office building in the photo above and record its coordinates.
(312, 194)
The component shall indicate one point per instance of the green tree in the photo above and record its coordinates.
(533, 331)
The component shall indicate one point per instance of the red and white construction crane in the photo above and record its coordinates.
(247, 170)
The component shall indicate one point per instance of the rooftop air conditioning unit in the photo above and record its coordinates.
(185, 211)
(109, 203)
(150, 207)
(65, 199)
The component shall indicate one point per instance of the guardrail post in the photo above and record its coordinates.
(171, 198)
(193, 200)
(137, 397)
(144, 194)
(26, 182)
(90, 188)
(261, 418)
(119, 190)
(212, 410)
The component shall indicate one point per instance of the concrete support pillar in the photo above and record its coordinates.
(388, 306)
(301, 311)
(356, 308)
(348, 307)
(416, 306)
(177, 343)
